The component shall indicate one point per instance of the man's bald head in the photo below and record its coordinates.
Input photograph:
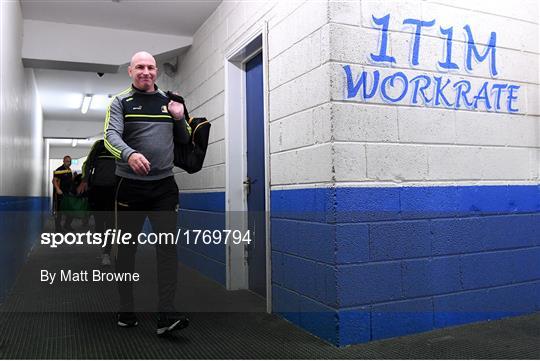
(143, 71)
(142, 55)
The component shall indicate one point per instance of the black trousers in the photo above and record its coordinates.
(157, 200)
(101, 200)
(59, 215)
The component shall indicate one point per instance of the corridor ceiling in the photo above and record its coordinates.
(62, 82)
(180, 17)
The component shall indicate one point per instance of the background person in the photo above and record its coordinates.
(62, 182)
(98, 181)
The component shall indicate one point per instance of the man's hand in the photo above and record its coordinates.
(56, 185)
(176, 109)
(139, 164)
(83, 187)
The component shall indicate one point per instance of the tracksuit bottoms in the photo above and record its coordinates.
(157, 200)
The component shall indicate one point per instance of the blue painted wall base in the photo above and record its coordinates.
(353, 265)
(202, 211)
(21, 222)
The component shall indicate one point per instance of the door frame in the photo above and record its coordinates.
(236, 57)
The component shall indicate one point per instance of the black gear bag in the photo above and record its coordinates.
(190, 157)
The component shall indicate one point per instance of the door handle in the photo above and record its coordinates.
(248, 182)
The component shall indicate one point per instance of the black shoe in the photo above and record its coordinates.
(168, 322)
(126, 319)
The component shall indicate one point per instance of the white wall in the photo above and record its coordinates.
(22, 165)
(299, 83)
(408, 143)
(319, 137)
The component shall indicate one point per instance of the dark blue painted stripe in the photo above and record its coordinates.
(202, 211)
(208, 201)
(491, 303)
(21, 222)
(386, 262)
(207, 266)
(312, 279)
(23, 204)
(306, 313)
(190, 220)
(389, 203)
(402, 317)
(316, 204)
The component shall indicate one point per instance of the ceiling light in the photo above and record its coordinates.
(74, 143)
(99, 102)
(86, 103)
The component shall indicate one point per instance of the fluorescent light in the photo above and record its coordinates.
(74, 143)
(86, 103)
(100, 102)
(70, 100)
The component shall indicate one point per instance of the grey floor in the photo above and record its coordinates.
(60, 321)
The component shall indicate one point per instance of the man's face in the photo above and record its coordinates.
(143, 72)
(67, 161)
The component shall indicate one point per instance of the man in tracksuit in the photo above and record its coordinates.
(139, 133)
(62, 182)
(99, 183)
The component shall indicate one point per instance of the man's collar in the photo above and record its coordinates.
(143, 91)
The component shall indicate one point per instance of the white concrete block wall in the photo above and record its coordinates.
(364, 123)
(339, 91)
(350, 162)
(282, 10)
(299, 82)
(407, 142)
(482, 24)
(351, 43)
(218, 130)
(215, 154)
(446, 16)
(304, 92)
(313, 50)
(312, 126)
(345, 12)
(483, 128)
(311, 164)
(479, 163)
(534, 163)
(211, 109)
(312, 121)
(415, 127)
(397, 162)
(303, 21)
(533, 94)
(210, 178)
(22, 166)
(523, 10)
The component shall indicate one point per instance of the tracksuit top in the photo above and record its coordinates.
(66, 178)
(138, 121)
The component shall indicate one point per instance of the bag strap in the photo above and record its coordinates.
(177, 98)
